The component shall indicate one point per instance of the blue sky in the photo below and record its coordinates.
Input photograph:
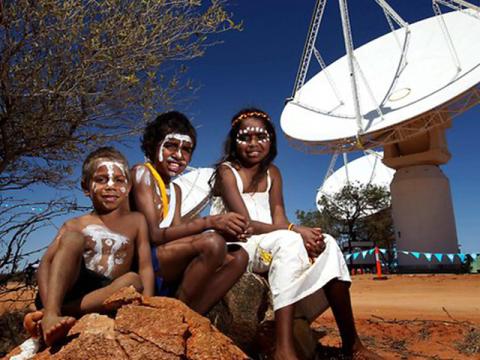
(257, 66)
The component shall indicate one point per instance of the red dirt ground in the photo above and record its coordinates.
(414, 316)
(403, 317)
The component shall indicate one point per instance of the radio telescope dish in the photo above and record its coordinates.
(401, 91)
(366, 170)
(195, 190)
(398, 91)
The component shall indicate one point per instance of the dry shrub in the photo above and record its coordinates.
(470, 344)
(12, 334)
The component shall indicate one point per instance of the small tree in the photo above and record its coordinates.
(357, 212)
(321, 220)
(353, 203)
(78, 74)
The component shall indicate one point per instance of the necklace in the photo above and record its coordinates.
(161, 185)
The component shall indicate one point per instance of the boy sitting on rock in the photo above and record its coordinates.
(93, 255)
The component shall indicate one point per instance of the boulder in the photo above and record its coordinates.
(142, 328)
(245, 315)
(242, 312)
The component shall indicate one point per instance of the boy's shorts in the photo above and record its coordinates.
(161, 286)
(87, 282)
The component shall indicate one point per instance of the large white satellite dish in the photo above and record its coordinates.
(399, 91)
(395, 90)
(195, 190)
(366, 170)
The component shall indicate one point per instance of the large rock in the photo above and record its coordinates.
(245, 315)
(243, 311)
(143, 328)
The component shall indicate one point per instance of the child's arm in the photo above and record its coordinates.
(312, 237)
(145, 268)
(232, 224)
(234, 202)
(143, 196)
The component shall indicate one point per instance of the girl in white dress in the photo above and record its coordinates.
(306, 269)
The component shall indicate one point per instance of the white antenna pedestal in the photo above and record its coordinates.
(421, 201)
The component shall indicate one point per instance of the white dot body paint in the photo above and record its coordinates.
(123, 189)
(100, 234)
(109, 165)
(173, 136)
(254, 130)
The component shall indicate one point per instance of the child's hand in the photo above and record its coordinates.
(230, 223)
(246, 234)
(312, 239)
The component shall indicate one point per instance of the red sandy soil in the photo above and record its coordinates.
(403, 317)
(414, 316)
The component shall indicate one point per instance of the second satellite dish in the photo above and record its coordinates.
(365, 170)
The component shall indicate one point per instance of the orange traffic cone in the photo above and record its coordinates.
(379, 266)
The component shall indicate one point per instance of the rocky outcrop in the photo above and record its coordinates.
(244, 311)
(245, 315)
(143, 328)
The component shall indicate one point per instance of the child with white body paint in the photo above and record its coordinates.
(189, 256)
(93, 255)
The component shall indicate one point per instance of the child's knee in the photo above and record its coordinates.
(240, 260)
(131, 279)
(214, 246)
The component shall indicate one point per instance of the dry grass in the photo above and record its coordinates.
(470, 345)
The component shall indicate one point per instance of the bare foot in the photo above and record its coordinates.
(362, 353)
(31, 323)
(56, 327)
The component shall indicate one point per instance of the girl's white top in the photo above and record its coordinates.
(293, 279)
(257, 203)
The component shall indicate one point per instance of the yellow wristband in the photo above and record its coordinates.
(290, 226)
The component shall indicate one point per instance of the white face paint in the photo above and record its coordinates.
(109, 165)
(262, 134)
(174, 136)
(101, 235)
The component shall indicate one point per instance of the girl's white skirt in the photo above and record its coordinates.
(291, 276)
